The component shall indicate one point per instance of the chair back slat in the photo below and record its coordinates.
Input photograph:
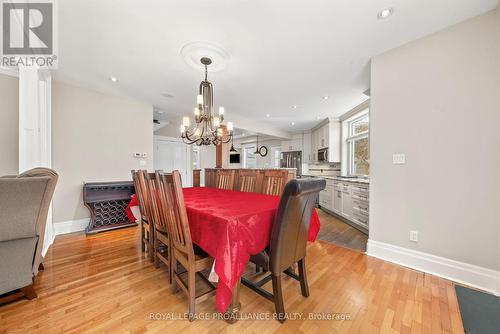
(174, 212)
(274, 182)
(139, 191)
(248, 180)
(225, 179)
(144, 194)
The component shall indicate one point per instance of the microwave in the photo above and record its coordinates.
(323, 155)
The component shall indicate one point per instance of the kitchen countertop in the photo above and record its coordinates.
(343, 179)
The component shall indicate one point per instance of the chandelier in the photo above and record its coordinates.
(207, 128)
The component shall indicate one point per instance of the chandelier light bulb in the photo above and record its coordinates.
(199, 99)
(229, 126)
(196, 111)
(216, 122)
(221, 110)
(185, 121)
(182, 128)
(219, 132)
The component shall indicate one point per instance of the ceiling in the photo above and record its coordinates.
(276, 53)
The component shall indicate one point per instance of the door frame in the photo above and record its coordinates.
(189, 169)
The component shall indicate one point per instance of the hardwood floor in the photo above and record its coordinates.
(102, 284)
(335, 231)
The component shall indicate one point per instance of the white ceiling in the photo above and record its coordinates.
(281, 52)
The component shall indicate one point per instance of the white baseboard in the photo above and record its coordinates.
(460, 272)
(70, 226)
(59, 228)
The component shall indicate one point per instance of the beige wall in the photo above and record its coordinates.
(437, 100)
(9, 124)
(94, 138)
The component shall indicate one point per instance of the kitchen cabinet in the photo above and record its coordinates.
(346, 200)
(337, 198)
(327, 135)
(307, 155)
(295, 144)
(326, 196)
(350, 200)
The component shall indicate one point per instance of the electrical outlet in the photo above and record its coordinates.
(398, 159)
(414, 236)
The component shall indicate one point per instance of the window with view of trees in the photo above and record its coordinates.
(358, 145)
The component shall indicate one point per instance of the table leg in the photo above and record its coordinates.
(233, 311)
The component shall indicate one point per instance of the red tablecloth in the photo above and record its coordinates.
(231, 226)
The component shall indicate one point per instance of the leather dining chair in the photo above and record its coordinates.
(225, 179)
(274, 182)
(184, 252)
(287, 246)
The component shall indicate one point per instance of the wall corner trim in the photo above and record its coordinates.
(460, 272)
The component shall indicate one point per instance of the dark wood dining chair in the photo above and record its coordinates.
(191, 258)
(147, 241)
(287, 246)
(161, 243)
(225, 179)
(274, 182)
(248, 180)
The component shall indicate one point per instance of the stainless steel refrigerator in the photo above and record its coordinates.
(292, 160)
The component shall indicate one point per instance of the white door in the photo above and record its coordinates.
(173, 155)
(35, 128)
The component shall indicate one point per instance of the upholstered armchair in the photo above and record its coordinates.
(24, 205)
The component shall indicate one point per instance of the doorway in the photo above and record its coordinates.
(171, 154)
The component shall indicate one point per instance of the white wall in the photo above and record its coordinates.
(262, 162)
(94, 138)
(437, 100)
(9, 124)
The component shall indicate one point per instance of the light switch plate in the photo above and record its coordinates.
(398, 159)
(414, 236)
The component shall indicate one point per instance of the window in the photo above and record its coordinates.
(276, 156)
(249, 160)
(358, 145)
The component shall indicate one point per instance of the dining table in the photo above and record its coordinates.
(231, 226)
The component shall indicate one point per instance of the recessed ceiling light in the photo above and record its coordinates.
(325, 97)
(385, 13)
(114, 79)
(267, 115)
(294, 106)
(292, 124)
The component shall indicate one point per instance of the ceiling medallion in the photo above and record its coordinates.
(207, 128)
(192, 52)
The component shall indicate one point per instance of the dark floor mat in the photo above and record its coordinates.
(480, 311)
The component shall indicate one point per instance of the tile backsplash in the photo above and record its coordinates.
(330, 169)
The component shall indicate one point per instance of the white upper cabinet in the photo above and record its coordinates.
(295, 144)
(326, 136)
(307, 155)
